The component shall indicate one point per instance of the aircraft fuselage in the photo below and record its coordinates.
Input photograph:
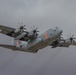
(41, 41)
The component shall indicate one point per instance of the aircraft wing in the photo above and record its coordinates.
(67, 44)
(6, 28)
(74, 43)
(60, 44)
(63, 44)
(9, 46)
(7, 31)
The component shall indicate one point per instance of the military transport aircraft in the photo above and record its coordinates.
(31, 41)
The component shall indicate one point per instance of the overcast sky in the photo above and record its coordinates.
(44, 14)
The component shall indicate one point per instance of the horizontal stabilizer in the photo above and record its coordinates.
(9, 46)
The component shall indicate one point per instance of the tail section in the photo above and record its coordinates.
(19, 43)
(9, 46)
(16, 45)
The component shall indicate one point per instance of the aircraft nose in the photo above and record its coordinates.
(59, 30)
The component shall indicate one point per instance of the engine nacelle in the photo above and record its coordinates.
(30, 34)
(17, 31)
(68, 41)
(20, 36)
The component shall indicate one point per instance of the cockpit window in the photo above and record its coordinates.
(55, 30)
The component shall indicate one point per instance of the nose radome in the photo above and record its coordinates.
(60, 30)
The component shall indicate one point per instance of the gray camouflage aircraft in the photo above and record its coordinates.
(31, 41)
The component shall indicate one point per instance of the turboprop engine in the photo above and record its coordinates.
(33, 33)
(20, 29)
(17, 31)
(30, 34)
(20, 36)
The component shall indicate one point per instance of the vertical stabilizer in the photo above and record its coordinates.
(17, 43)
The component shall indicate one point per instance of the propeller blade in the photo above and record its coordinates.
(35, 31)
(36, 28)
(71, 37)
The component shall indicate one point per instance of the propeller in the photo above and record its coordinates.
(71, 37)
(22, 26)
(35, 30)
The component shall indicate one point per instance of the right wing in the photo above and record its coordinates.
(7, 31)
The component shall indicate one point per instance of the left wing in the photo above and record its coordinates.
(74, 43)
(64, 43)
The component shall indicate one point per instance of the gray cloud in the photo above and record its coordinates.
(44, 14)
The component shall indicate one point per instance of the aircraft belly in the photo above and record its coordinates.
(47, 42)
(42, 44)
(34, 48)
(38, 43)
